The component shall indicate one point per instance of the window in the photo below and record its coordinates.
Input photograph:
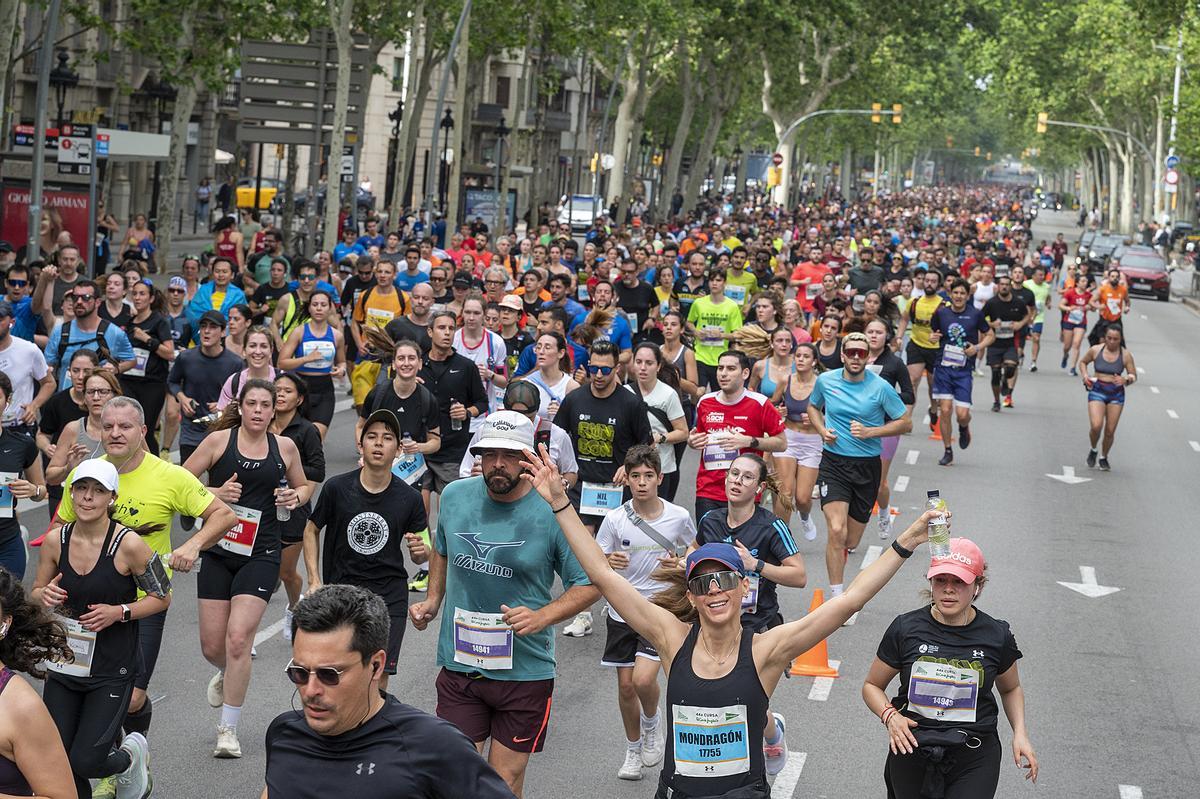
(397, 74)
(503, 87)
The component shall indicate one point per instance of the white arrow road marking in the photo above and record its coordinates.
(1068, 476)
(1172, 414)
(785, 781)
(873, 553)
(1154, 389)
(911, 457)
(1127, 791)
(1089, 587)
(823, 685)
(901, 484)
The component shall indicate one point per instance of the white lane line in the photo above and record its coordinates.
(1143, 316)
(267, 633)
(822, 686)
(1127, 791)
(911, 457)
(850, 621)
(901, 484)
(1195, 445)
(1153, 389)
(786, 780)
(1141, 371)
(873, 553)
(925, 420)
(1172, 414)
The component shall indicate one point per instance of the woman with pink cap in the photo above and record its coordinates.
(942, 723)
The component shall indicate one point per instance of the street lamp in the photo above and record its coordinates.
(62, 77)
(447, 126)
(160, 93)
(502, 131)
(396, 116)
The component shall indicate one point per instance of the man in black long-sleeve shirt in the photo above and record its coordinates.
(456, 383)
(196, 379)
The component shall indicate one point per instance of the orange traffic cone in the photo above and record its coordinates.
(814, 662)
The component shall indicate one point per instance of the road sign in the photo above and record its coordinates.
(76, 154)
(1172, 177)
(1172, 161)
(347, 170)
(102, 145)
(777, 159)
(1171, 188)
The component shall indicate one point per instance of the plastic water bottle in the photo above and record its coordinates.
(455, 424)
(939, 530)
(282, 512)
(406, 457)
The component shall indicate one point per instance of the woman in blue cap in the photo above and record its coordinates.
(719, 677)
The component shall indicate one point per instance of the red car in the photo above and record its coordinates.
(1145, 272)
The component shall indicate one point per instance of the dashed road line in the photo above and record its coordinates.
(1141, 371)
(901, 484)
(1195, 445)
(267, 633)
(822, 686)
(1154, 389)
(1127, 791)
(911, 457)
(1172, 414)
(872, 555)
(786, 780)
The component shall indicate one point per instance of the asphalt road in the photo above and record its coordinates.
(1110, 699)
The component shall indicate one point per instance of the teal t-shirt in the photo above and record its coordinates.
(871, 401)
(500, 553)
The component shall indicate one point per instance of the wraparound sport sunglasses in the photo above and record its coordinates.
(699, 586)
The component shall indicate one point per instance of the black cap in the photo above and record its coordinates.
(462, 279)
(385, 417)
(5, 246)
(213, 318)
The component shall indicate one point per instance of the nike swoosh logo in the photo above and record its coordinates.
(114, 696)
(270, 552)
(522, 740)
(263, 590)
(455, 371)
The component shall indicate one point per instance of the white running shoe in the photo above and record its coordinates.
(287, 623)
(631, 769)
(776, 754)
(885, 524)
(227, 743)
(216, 690)
(134, 782)
(810, 528)
(580, 626)
(653, 745)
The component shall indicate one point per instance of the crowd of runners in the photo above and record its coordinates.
(537, 398)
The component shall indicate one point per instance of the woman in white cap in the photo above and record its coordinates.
(941, 725)
(91, 573)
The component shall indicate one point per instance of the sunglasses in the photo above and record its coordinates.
(600, 370)
(18, 283)
(84, 298)
(326, 675)
(725, 580)
(308, 277)
(854, 353)
(176, 291)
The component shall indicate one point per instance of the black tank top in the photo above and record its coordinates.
(12, 781)
(116, 651)
(714, 728)
(259, 479)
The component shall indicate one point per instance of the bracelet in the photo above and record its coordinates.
(563, 508)
(886, 715)
(901, 551)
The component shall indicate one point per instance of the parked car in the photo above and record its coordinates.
(364, 200)
(579, 211)
(266, 194)
(1100, 251)
(1082, 246)
(1145, 272)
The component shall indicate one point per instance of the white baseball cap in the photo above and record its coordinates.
(99, 470)
(505, 430)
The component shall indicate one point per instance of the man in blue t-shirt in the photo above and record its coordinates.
(497, 550)
(852, 409)
(85, 333)
(961, 331)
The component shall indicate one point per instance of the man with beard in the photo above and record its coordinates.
(922, 351)
(496, 553)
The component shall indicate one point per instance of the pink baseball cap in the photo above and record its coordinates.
(965, 561)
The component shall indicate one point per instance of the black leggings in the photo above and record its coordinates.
(152, 395)
(150, 634)
(88, 714)
(972, 773)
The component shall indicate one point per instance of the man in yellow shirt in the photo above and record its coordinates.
(376, 307)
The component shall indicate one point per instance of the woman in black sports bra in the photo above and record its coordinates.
(257, 473)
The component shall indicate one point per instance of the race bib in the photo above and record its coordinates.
(82, 642)
(597, 499)
(1040, 305)
(581, 292)
(8, 502)
(712, 336)
(1004, 330)
(750, 600)
(379, 317)
(327, 349)
(953, 355)
(710, 741)
(717, 456)
(240, 539)
(1114, 306)
(410, 472)
(943, 692)
(1075, 316)
(812, 290)
(140, 358)
(736, 293)
(482, 640)
(875, 368)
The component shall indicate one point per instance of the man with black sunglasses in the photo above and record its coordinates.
(27, 310)
(87, 331)
(350, 735)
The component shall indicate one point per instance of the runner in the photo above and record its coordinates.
(494, 563)
(20, 478)
(829, 343)
(93, 569)
(486, 350)
(1075, 304)
(921, 353)
(849, 409)
(378, 305)
(1006, 314)
(712, 320)
(773, 371)
(961, 331)
(81, 439)
(883, 362)
(258, 473)
(1106, 389)
(317, 351)
(258, 356)
(1041, 295)
(931, 740)
(1112, 303)
(657, 383)
(153, 350)
(340, 638)
(523, 397)
(702, 606)
(366, 515)
(1021, 334)
(796, 467)
(553, 373)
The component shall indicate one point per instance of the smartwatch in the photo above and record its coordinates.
(126, 613)
(754, 442)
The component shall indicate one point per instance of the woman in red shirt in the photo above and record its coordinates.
(1075, 304)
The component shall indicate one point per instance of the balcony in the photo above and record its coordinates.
(553, 122)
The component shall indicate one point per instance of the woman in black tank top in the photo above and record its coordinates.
(256, 473)
(86, 573)
(720, 678)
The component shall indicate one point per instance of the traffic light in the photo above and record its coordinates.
(595, 165)
(989, 156)
(1043, 118)
(897, 110)
(876, 108)
(774, 176)
(976, 152)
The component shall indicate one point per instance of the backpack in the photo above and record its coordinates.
(64, 341)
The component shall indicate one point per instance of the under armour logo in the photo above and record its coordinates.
(370, 769)
(976, 653)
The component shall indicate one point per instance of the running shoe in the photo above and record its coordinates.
(1033, 368)
(253, 651)
(580, 626)
(776, 754)
(933, 420)
(1074, 372)
(810, 529)
(1091, 459)
(995, 407)
(1104, 467)
(227, 743)
(631, 769)
(1008, 403)
(964, 436)
(947, 457)
(419, 582)
(106, 788)
(287, 624)
(885, 524)
(134, 782)
(216, 690)
(653, 745)
(1063, 365)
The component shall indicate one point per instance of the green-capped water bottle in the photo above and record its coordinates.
(939, 529)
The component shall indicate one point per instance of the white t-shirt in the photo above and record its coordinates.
(561, 452)
(666, 399)
(25, 365)
(674, 524)
(489, 352)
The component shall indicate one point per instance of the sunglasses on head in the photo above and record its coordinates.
(726, 581)
(601, 370)
(326, 675)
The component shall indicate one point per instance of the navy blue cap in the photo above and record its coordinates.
(725, 554)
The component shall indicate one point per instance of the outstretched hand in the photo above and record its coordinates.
(541, 473)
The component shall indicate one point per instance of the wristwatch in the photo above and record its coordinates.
(758, 567)
(754, 442)
(126, 613)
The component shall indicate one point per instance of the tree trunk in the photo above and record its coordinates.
(341, 14)
(1128, 159)
(185, 102)
(462, 124)
(414, 103)
(1157, 179)
(670, 181)
(722, 98)
(8, 29)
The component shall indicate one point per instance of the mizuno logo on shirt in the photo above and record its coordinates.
(484, 548)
